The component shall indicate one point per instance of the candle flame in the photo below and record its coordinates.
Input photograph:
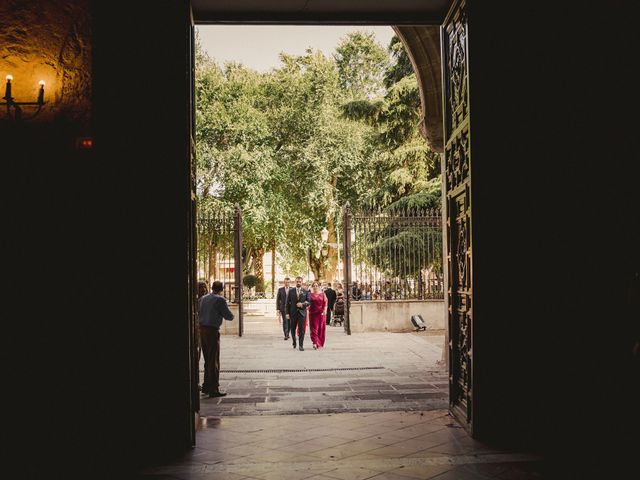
(9, 77)
(41, 83)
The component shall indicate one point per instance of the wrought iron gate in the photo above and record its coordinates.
(457, 184)
(397, 253)
(237, 257)
(392, 254)
(219, 254)
(194, 348)
(346, 259)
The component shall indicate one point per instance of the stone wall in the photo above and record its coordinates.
(395, 315)
(48, 40)
(231, 327)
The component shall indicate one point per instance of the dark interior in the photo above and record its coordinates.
(96, 265)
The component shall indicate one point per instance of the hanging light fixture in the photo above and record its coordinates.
(14, 109)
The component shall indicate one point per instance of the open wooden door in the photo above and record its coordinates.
(457, 184)
(194, 346)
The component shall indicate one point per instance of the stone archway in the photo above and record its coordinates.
(423, 47)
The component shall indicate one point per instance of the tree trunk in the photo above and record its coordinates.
(273, 270)
(332, 253)
(258, 266)
(247, 255)
(212, 270)
(315, 265)
(331, 260)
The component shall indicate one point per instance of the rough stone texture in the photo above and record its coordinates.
(231, 327)
(395, 316)
(48, 40)
(369, 316)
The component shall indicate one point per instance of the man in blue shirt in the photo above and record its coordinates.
(212, 309)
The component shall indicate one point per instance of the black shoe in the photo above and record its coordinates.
(217, 394)
(301, 348)
(286, 338)
(294, 344)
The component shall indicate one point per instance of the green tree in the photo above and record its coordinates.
(400, 64)
(403, 162)
(320, 155)
(361, 63)
(407, 171)
(293, 145)
(233, 152)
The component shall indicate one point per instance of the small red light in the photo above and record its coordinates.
(84, 143)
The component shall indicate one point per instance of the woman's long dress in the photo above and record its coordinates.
(317, 322)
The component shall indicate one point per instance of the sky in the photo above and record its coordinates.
(258, 46)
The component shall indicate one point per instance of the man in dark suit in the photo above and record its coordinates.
(281, 307)
(331, 297)
(297, 303)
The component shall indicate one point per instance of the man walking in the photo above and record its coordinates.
(212, 309)
(297, 303)
(281, 307)
(331, 297)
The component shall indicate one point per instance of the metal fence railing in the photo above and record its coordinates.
(215, 250)
(395, 254)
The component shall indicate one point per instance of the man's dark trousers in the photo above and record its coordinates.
(281, 306)
(285, 323)
(210, 341)
(331, 297)
(297, 320)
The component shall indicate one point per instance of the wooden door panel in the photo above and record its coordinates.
(457, 182)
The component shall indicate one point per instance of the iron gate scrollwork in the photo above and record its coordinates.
(457, 181)
(219, 253)
(397, 253)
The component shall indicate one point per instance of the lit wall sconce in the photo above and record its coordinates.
(17, 113)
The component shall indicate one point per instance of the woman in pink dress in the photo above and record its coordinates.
(317, 316)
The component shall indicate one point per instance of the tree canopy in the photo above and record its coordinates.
(291, 146)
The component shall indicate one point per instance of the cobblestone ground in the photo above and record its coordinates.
(365, 372)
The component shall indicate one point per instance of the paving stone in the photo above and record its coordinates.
(407, 359)
(383, 424)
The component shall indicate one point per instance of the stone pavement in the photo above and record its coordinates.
(365, 372)
(386, 421)
(344, 446)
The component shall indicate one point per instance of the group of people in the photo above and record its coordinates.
(297, 306)
(364, 291)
